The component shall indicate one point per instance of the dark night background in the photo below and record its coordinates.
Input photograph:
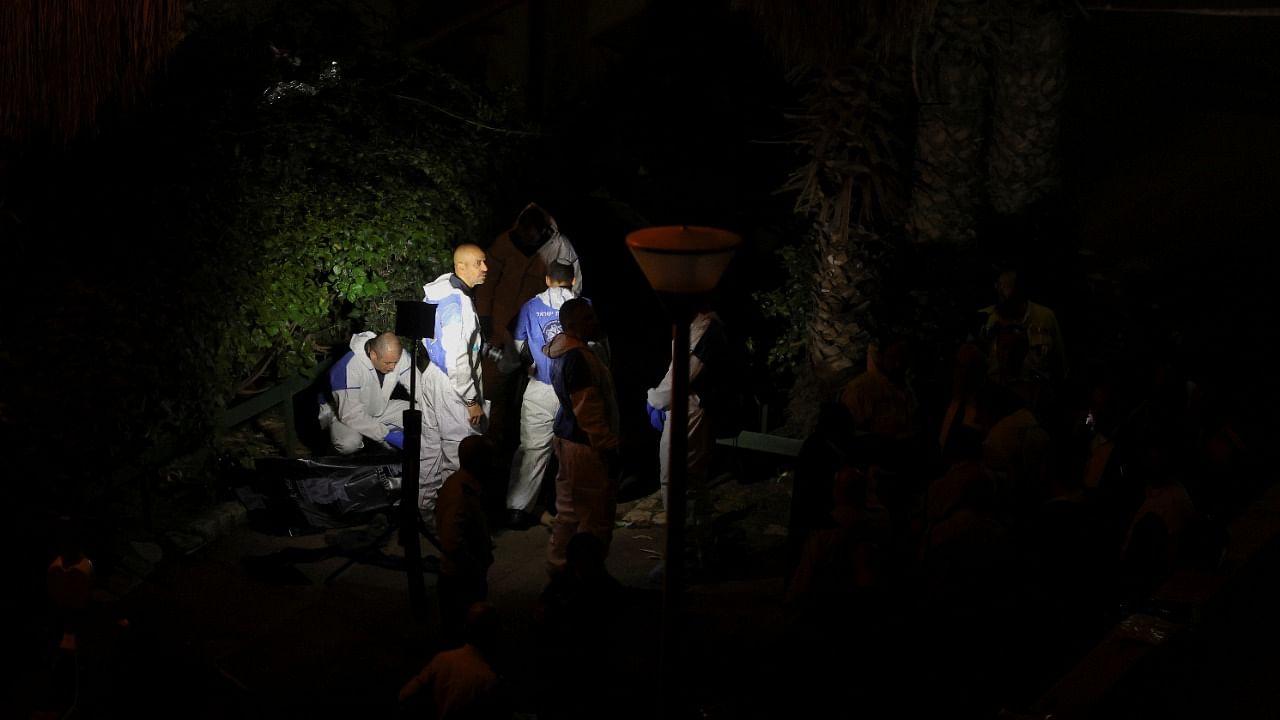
(1160, 241)
(1161, 235)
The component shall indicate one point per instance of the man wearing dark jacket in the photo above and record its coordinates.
(586, 434)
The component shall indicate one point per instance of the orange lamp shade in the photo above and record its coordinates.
(683, 259)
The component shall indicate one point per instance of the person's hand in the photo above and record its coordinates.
(476, 413)
(395, 439)
(657, 418)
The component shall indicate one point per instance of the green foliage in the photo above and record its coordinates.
(337, 197)
(240, 240)
(789, 303)
(349, 201)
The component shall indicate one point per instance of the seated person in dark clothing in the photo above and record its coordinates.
(843, 562)
(461, 684)
(1161, 538)
(822, 455)
(464, 532)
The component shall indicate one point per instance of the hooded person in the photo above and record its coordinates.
(518, 262)
(452, 383)
(360, 405)
(707, 343)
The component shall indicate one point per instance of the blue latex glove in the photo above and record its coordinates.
(657, 418)
(395, 438)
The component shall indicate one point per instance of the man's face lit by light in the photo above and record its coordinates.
(472, 269)
(385, 361)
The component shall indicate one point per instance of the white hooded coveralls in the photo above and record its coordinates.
(362, 404)
(450, 383)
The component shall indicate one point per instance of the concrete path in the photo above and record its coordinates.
(235, 629)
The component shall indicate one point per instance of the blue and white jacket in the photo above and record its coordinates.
(537, 325)
(455, 349)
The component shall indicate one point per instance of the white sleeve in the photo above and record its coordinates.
(521, 333)
(660, 396)
(457, 335)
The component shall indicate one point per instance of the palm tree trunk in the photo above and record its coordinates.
(849, 189)
(845, 284)
(1030, 80)
(953, 87)
(839, 326)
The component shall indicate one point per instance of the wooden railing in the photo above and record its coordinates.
(279, 396)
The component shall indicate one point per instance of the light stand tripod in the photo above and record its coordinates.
(414, 320)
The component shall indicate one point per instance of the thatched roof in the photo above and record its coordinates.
(60, 62)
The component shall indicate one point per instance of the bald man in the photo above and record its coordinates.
(360, 406)
(453, 392)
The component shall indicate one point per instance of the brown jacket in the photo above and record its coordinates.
(588, 406)
(515, 277)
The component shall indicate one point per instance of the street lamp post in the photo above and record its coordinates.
(683, 264)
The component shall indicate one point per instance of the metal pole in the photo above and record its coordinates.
(409, 494)
(678, 473)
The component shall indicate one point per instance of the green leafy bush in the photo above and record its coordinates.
(348, 201)
(231, 241)
(790, 304)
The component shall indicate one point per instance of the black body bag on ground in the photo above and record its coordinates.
(302, 495)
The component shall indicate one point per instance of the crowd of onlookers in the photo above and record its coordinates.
(948, 553)
(959, 558)
(966, 555)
